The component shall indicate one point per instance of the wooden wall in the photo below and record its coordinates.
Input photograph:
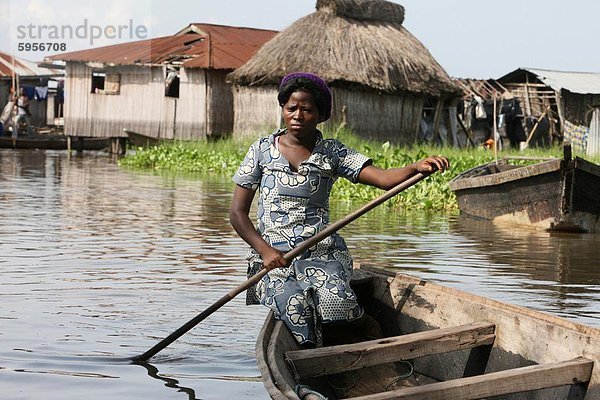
(220, 103)
(5, 85)
(578, 107)
(141, 105)
(535, 97)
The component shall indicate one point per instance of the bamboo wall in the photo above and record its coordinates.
(141, 105)
(385, 117)
(376, 116)
(256, 112)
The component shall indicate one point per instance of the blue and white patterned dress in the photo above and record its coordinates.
(292, 207)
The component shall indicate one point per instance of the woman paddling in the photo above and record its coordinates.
(294, 170)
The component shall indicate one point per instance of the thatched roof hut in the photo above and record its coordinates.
(380, 73)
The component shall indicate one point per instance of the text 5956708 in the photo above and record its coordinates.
(42, 46)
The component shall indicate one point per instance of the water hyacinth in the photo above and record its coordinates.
(224, 156)
(219, 157)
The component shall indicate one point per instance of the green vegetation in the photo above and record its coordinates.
(224, 156)
(221, 157)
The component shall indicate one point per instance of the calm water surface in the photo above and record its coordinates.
(99, 263)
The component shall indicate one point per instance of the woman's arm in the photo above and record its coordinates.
(388, 178)
(240, 220)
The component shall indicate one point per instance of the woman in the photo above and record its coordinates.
(294, 170)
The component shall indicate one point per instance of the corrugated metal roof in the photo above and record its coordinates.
(197, 46)
(574, 82)
(22, 67)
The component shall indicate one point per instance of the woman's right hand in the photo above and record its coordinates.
(273, 258)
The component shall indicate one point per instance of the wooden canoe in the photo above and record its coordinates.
(555, 195)
(457, 346)
(54, 142)
(141, 140)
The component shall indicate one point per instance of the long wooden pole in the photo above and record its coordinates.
(290, 255)
(535, 127)
(12, 60)
(464, 128)
(496, 135)
(14, 99)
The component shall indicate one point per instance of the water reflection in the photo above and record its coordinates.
(559, 257)
(559, 265)
(546, 271)
(169, 382)
(97, 261)
(100, 262)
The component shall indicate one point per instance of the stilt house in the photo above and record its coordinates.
(564, 99)
(167, 87)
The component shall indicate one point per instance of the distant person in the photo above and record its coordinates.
(7, 115)
(23, 113)
(293, 170)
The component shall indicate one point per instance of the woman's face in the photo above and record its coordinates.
(300, 114)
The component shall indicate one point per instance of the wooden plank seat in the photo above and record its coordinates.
(329, 360)
(524, 379)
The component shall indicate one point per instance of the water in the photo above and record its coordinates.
(98, 263)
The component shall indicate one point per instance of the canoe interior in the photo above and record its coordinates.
(404, 305)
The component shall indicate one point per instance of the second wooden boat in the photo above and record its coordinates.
(141, 140)
(556, 195)
(54, 142)
(437, 343)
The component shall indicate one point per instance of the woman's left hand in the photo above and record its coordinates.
(432, 164)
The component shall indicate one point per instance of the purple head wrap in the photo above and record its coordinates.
(318, 81)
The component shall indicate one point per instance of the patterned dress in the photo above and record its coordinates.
(292, 207)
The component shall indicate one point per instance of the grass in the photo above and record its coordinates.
(223, 157)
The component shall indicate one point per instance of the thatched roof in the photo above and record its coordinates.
(373, 10)
(349, 43)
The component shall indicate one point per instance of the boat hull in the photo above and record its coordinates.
(54, 142)
(140, 140)
(405, 305)
(557, 195)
